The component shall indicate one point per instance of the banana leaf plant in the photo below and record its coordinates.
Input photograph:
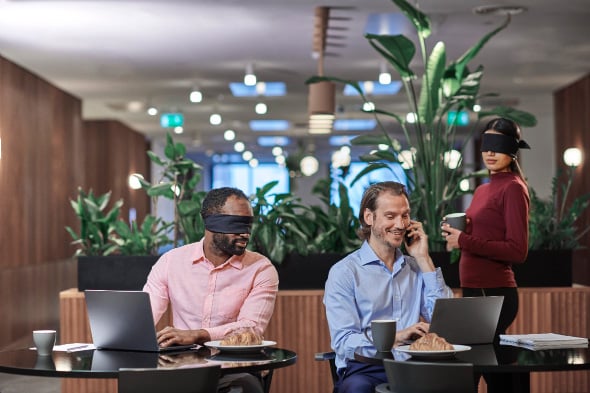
(142, 239)
(441, 88)
(335, 226)
(179, 177)
(97, 225)
(280, 226)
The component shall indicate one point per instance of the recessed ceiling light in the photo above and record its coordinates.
(499, 10)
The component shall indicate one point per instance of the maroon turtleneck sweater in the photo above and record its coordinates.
(498, 233)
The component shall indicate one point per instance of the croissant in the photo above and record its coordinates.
(243, 338)
(431, 342)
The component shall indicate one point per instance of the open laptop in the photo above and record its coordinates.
(123, 320)
(467, 320)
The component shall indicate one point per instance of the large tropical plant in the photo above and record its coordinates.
(429, 135)
(179, 176)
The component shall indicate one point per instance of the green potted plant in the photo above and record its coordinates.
(179, 176)
(303, 241)
(439, 89)
(554, 235)
(110, 255)
(115, 255)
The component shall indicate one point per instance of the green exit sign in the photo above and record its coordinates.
(460, 118)
(171, 120)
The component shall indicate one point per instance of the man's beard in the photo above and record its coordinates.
(224, 243)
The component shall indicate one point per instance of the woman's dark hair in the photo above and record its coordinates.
(369, 201)
(215, 199)
(508, 128)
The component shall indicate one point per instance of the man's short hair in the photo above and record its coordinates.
(369, 201)
(216, 198)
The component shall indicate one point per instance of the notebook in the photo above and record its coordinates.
(123, 320)
(467, 320)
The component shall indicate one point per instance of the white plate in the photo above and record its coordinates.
(433, 354)
(238, 348)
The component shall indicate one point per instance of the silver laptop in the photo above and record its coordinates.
(467, 320)
(123, 320)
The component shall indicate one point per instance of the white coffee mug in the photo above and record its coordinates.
(44, 341)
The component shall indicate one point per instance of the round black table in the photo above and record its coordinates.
(106, 363)
(519, 362)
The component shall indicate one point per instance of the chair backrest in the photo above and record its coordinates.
(171, 380)
(424, 377)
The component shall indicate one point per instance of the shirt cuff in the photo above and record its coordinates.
(434, 280)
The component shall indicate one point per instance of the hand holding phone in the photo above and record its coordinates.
(408, 239)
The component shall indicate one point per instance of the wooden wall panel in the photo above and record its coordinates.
(572, 129)
(40, 128)
(44, 148)
(114, 152)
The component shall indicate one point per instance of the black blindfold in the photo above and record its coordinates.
(226, 223)
(499, 143)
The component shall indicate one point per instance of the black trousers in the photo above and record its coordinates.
(500, 383)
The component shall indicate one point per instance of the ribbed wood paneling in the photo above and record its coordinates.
(114, 151)
(572, 129)
(44, 150)
(40, 128)
(299, 324)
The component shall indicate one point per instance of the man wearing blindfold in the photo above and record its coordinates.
(215, 286)
(497, 234)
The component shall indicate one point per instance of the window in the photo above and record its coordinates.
(355, 194)
(247, 178)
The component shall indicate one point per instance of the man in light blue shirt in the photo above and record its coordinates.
(378, 282)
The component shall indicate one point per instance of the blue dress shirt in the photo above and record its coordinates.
(360, 288)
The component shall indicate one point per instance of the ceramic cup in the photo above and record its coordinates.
(44, 341)
(455, 220)
(382, 334)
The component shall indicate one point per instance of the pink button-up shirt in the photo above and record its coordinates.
(239, 293)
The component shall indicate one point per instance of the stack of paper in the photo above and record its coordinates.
(543, 341)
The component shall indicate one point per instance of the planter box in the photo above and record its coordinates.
(543, 268)
(125, 273)
(306, 272)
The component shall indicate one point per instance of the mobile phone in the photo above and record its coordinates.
(408, 239)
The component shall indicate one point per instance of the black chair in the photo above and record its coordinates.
(171, 380)
(424, 377)
(331, 358)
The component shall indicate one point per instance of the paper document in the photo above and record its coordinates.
(543, 341)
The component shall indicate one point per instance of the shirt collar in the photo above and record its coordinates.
(368, 256)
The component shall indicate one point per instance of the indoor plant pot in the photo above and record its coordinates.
(116, 272)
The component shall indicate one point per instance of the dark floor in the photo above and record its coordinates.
(11, 383)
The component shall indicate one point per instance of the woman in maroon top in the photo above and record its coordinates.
(497, 233)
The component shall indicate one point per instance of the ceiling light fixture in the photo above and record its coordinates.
(229, 135)
(384, 75)
(261, 108)
(152, 111)
(215, 119)
(321, 102)
(195, 96)
(250, 77)
(239, 147)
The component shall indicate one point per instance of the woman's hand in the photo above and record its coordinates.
(451, 236)
(411, 333)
